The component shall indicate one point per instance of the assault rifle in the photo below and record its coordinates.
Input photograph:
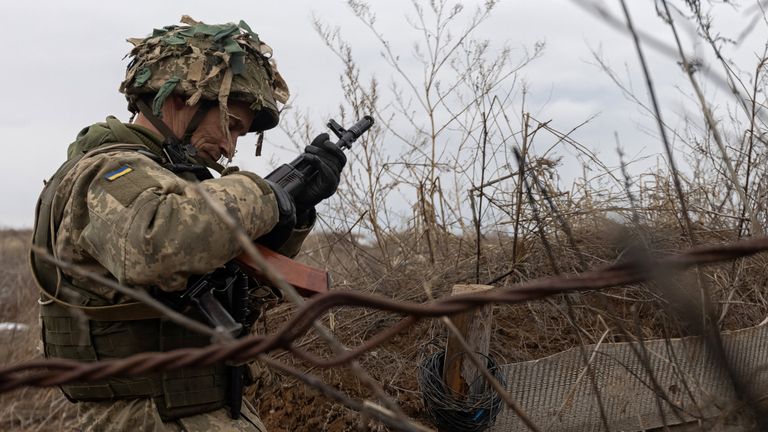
(307, 280)
(209, 293)
(295, 176)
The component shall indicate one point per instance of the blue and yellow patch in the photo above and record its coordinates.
(116, 174)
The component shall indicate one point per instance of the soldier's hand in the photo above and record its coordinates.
(328, 160)
(286, 222)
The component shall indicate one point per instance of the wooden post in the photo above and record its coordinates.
(475, 326)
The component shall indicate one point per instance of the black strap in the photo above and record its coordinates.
(160, 125)
(202, 109)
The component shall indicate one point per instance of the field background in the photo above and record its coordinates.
(521, 332)
(464, 181)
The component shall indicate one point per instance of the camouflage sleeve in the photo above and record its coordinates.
(292, 246)
(149, 227)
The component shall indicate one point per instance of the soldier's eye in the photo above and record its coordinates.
(236, 126)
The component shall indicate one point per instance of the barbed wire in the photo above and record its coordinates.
(53, 372)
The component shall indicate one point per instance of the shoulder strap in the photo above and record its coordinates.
(46, 275)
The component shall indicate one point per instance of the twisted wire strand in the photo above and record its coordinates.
(52, 372)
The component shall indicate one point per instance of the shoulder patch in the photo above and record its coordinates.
(129, 187)
(116, 174)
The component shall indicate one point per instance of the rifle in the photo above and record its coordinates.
(297, 174)
(307, 280)
(291, 177)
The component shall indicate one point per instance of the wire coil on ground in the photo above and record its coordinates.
(450, 411)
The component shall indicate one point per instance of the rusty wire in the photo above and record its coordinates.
(52, 372)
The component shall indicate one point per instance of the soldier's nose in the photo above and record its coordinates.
(226, 148)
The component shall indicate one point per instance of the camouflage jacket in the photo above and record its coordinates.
(116, 211)
(127, 216)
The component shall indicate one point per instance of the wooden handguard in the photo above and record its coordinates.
(307, 280)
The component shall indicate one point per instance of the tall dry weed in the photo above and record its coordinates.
(26, 409)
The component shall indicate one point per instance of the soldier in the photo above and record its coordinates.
(123, 206)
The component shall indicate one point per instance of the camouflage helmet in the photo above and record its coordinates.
(206, 62)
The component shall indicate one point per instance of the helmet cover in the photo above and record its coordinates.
(198, 61)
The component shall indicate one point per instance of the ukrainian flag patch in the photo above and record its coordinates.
(116, 174)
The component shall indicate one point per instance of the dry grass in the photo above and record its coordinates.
(521, 332)
(27, 409)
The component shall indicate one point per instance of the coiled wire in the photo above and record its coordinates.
(450, 411)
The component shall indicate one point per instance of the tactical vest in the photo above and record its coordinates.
(80, 326)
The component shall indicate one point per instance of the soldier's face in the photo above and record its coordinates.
(210, 139)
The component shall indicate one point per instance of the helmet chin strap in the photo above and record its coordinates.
(176, 150)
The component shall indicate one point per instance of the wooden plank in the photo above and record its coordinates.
(458, 371)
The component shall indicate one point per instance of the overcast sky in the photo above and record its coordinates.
(63, 62)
